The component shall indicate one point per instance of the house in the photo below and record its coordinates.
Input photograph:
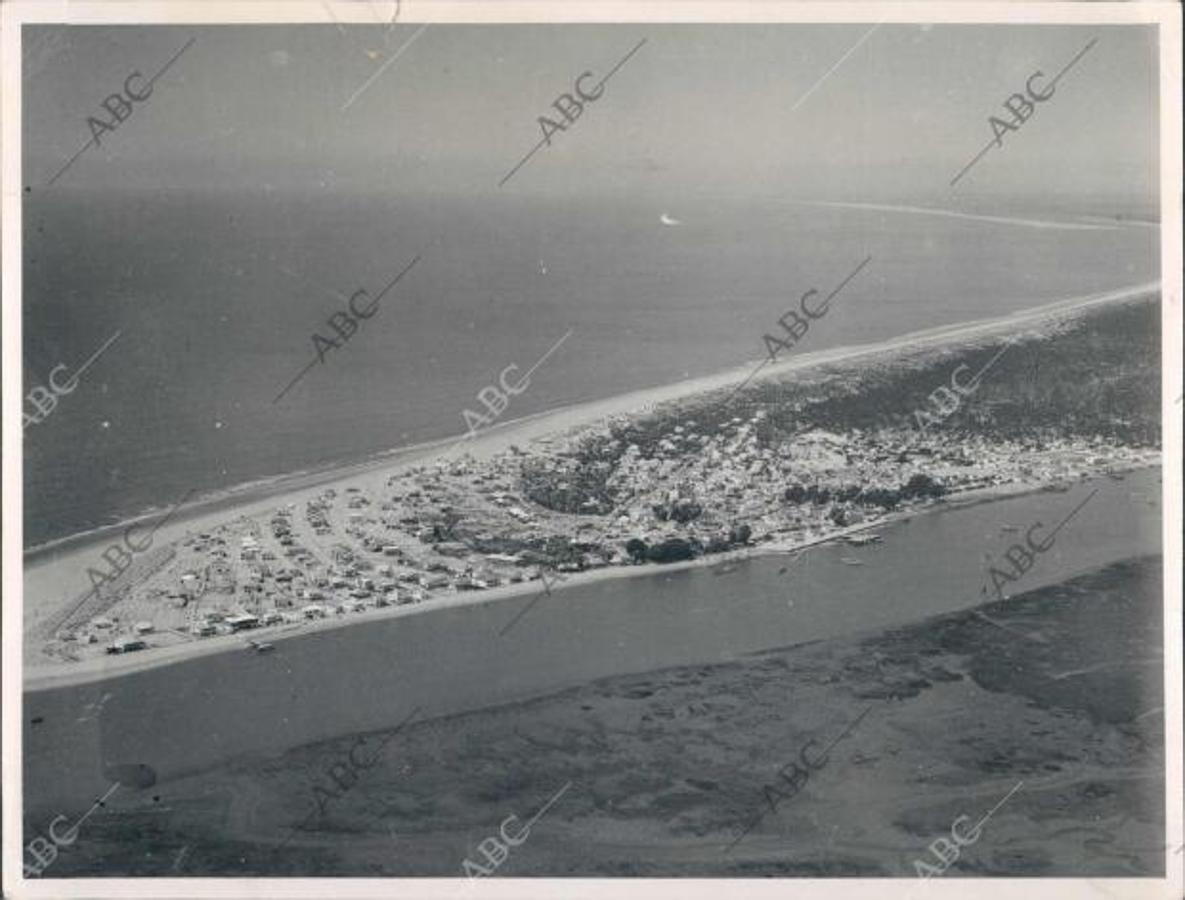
(127, 645)
(510, 559)
(242, 621)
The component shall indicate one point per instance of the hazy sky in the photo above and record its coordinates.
(698, 108)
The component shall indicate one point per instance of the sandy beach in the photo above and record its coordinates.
(54, 574)
(715, 449)
(355, 665)
(197, 712)
(61, 675)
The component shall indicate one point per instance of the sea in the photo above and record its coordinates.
(208, 303)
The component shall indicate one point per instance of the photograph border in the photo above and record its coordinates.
(1166, 15)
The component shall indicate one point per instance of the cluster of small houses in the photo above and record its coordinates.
(379, 574)
(684, 494)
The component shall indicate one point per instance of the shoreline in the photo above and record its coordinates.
(91, 671)
(52, 580)
(176, 721)
(244, 497)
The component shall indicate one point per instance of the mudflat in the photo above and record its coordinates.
(1050, 701)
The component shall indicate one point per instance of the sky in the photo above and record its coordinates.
(796, 110)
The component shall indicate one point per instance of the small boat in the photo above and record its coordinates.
(848, 561)
(260, 646)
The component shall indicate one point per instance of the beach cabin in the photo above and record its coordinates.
(242, 621)
(127, 645)
(521, 514)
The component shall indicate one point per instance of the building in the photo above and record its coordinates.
(242, 621)
(127, 645)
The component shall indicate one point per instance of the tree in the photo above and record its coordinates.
(922, 486)
(636, 548)
(796, 493)
(670, 550)
(882, 497)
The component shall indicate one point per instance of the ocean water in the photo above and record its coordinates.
(216, 296)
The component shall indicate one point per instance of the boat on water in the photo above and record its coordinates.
(848, 561)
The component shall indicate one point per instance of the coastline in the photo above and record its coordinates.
(73, 674)
(187, 716)
(661, 758)
(49, 573)
(244, 497)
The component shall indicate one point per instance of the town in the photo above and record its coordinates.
(774, 469)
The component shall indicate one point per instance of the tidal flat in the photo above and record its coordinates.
(1058, 690)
